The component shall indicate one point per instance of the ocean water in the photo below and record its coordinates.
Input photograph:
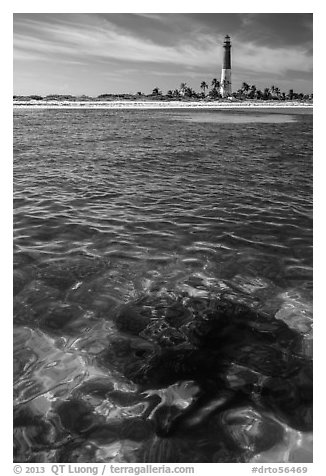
(162, 286)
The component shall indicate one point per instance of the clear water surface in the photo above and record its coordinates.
(162, 286)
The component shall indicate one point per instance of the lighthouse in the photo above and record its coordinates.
(226, 87)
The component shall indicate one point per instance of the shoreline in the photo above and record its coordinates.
(159, 105)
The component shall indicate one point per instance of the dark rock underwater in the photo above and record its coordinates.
(211, 372)
(201, 344)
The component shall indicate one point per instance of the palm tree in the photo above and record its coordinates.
(277, 92)
(189, 92)
(183, 87)
(156, 92)
(203, 86)
(259, 94)
(216, 84)
(239, 93)
(215, 91)
(245, 88)
(253, 90)
(272, 89)
(267, 93)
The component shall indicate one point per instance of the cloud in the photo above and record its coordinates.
(251, 57)
(102, 41)
(105, 42)
(134, 50)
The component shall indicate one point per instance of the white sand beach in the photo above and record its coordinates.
(39, 104)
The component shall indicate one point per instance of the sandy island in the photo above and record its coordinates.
(159, 104)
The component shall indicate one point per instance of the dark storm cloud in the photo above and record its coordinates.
(268, 29)
(278, 29)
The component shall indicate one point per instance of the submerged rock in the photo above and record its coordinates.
(63, 318)
(292, 398)
(250, 430)
(243, 364)
(38, 432)
(77, 417)
(128, 319)
(77, 451)
(295, 447)
(178, 315)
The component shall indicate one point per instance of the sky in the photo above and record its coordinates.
(92, 54)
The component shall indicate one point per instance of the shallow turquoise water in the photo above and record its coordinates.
(126, 222)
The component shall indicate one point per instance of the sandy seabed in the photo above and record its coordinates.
(158, 105)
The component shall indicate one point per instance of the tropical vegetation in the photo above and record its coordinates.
(212, 92)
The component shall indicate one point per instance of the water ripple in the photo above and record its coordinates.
(129, 227)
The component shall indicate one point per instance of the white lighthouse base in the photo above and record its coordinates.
(226, 87)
